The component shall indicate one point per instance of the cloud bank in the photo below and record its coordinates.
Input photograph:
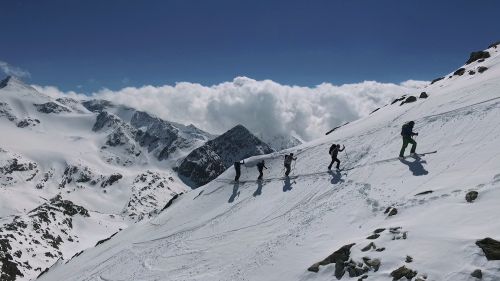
(13, 71)
(265, 107)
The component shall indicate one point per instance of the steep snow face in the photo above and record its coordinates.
(334, 223)
(208, 161)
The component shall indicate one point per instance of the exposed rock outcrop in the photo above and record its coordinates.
(214, 157)
(490, 247)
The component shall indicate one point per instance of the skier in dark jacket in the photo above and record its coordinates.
(261, 166)
(334, 151)
(238, 169)
(407, 134)
(288, 163)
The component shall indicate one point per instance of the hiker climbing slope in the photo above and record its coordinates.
(261, 166)
(334, 151)
(407, 134)
(237, 168)
(288, 163)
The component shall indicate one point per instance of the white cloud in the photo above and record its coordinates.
(416, 84)
(265, 107)
(13, 71)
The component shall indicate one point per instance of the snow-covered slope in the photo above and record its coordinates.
(52, 162)
(380, 218)
(73, 173)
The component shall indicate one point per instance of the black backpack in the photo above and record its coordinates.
(332, 148)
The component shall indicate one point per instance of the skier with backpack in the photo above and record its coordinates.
(288, 163)
(334, 151)
(237, 168)
(407, 134)
(261, 166)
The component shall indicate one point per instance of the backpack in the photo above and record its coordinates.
(332, 148)
(406, 129)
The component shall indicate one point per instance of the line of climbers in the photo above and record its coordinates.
(406, 132)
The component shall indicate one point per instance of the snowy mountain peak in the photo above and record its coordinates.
(211, 159)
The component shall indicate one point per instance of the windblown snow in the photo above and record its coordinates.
(378, 218)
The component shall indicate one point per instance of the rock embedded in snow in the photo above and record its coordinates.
(391, 211)
(369, 247)
(494, 45)
(477, 274)
(471, 196)
(474, 56)
(436, 80)
(408, 259)
(423, 95)
(338, 257)
(490, 247)
(398, 99)
(51, 107)
(373, 236)
(403, 271)
(28, 122)
(482, 69)
(424, 193)
(459, 71)
(409, 99)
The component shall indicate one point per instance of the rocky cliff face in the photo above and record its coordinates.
(210, 160)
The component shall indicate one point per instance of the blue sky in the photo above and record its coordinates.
(87, 45)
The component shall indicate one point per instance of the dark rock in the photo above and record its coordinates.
(375, 110)
(437, 79)
(403, 272)
(477, 273)
(482, 69)
(369, 247)
(373, 236)
(112, 179)
(398, 99)
(338, 257)
(471, 196)
(28, 122)
(424, 193)
(474, 56)
(423, 95)
(9, 270)
(459, 71)
(96, 105)
(380, 249)
(490, 247)
(472, 72)
(211, 159)
(51, 107)
(409, 100)
(409, 259)
(494, 45)
(391, 211)
(104, 240)
(169, 203)
(379, 230)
